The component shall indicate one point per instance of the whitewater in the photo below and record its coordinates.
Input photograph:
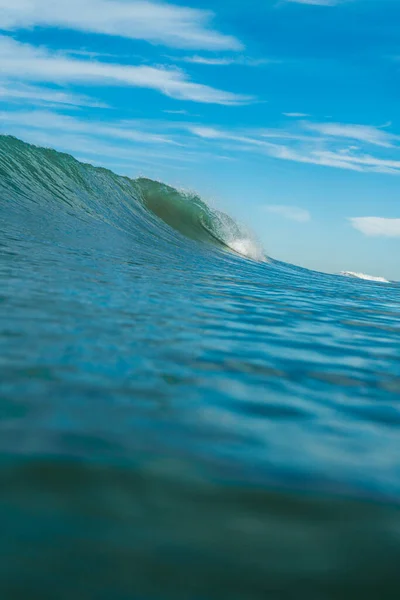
(181, 416)
(364, 276)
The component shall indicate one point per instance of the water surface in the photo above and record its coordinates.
(181, 416)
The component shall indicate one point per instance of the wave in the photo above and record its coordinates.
(38, 174)
(364, 276)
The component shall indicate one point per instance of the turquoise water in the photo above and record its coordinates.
(182, 417)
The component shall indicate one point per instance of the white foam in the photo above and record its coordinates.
(364, 276)
(248, 248)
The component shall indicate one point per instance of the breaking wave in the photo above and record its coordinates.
(59, 180)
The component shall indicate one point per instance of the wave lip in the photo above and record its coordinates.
(364, 276)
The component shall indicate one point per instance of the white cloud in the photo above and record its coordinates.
(102, 152)
(211, 133)
(294, 213)
(296, 115)
(314, 157)
(122, 140)
(48, 120)
(376, 226)
(204, 60)
(113, 145)
(282, 134)
(327, 158)
(27, 63)
(301, 148)
(364, 161)
(317, 2)
(176, 112)
(361, 133)
(156, 22)
(225, 61)
(14, 92)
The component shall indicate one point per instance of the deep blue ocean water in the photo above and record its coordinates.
(182, 417)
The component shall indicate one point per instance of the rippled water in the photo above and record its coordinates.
(177, 420)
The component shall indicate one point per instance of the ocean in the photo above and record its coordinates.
(182, 416)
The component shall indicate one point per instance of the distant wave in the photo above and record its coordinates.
(364, 276)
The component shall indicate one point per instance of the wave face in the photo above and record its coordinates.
(176, 420)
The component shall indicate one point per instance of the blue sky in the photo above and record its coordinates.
(285, 113)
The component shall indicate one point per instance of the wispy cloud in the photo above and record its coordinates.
(24, 62)
(176, 112)
(297, 144)
(20, 93)
(53, 121)
(211, 133)
(317, 2)
(102, 152)
(341, 160)
(157, 22)
(376, 226)
(293, 213)
(363, 133)
(226, 61)
(205, 60)
(122, 141)
(295, 115)
(313, 157)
